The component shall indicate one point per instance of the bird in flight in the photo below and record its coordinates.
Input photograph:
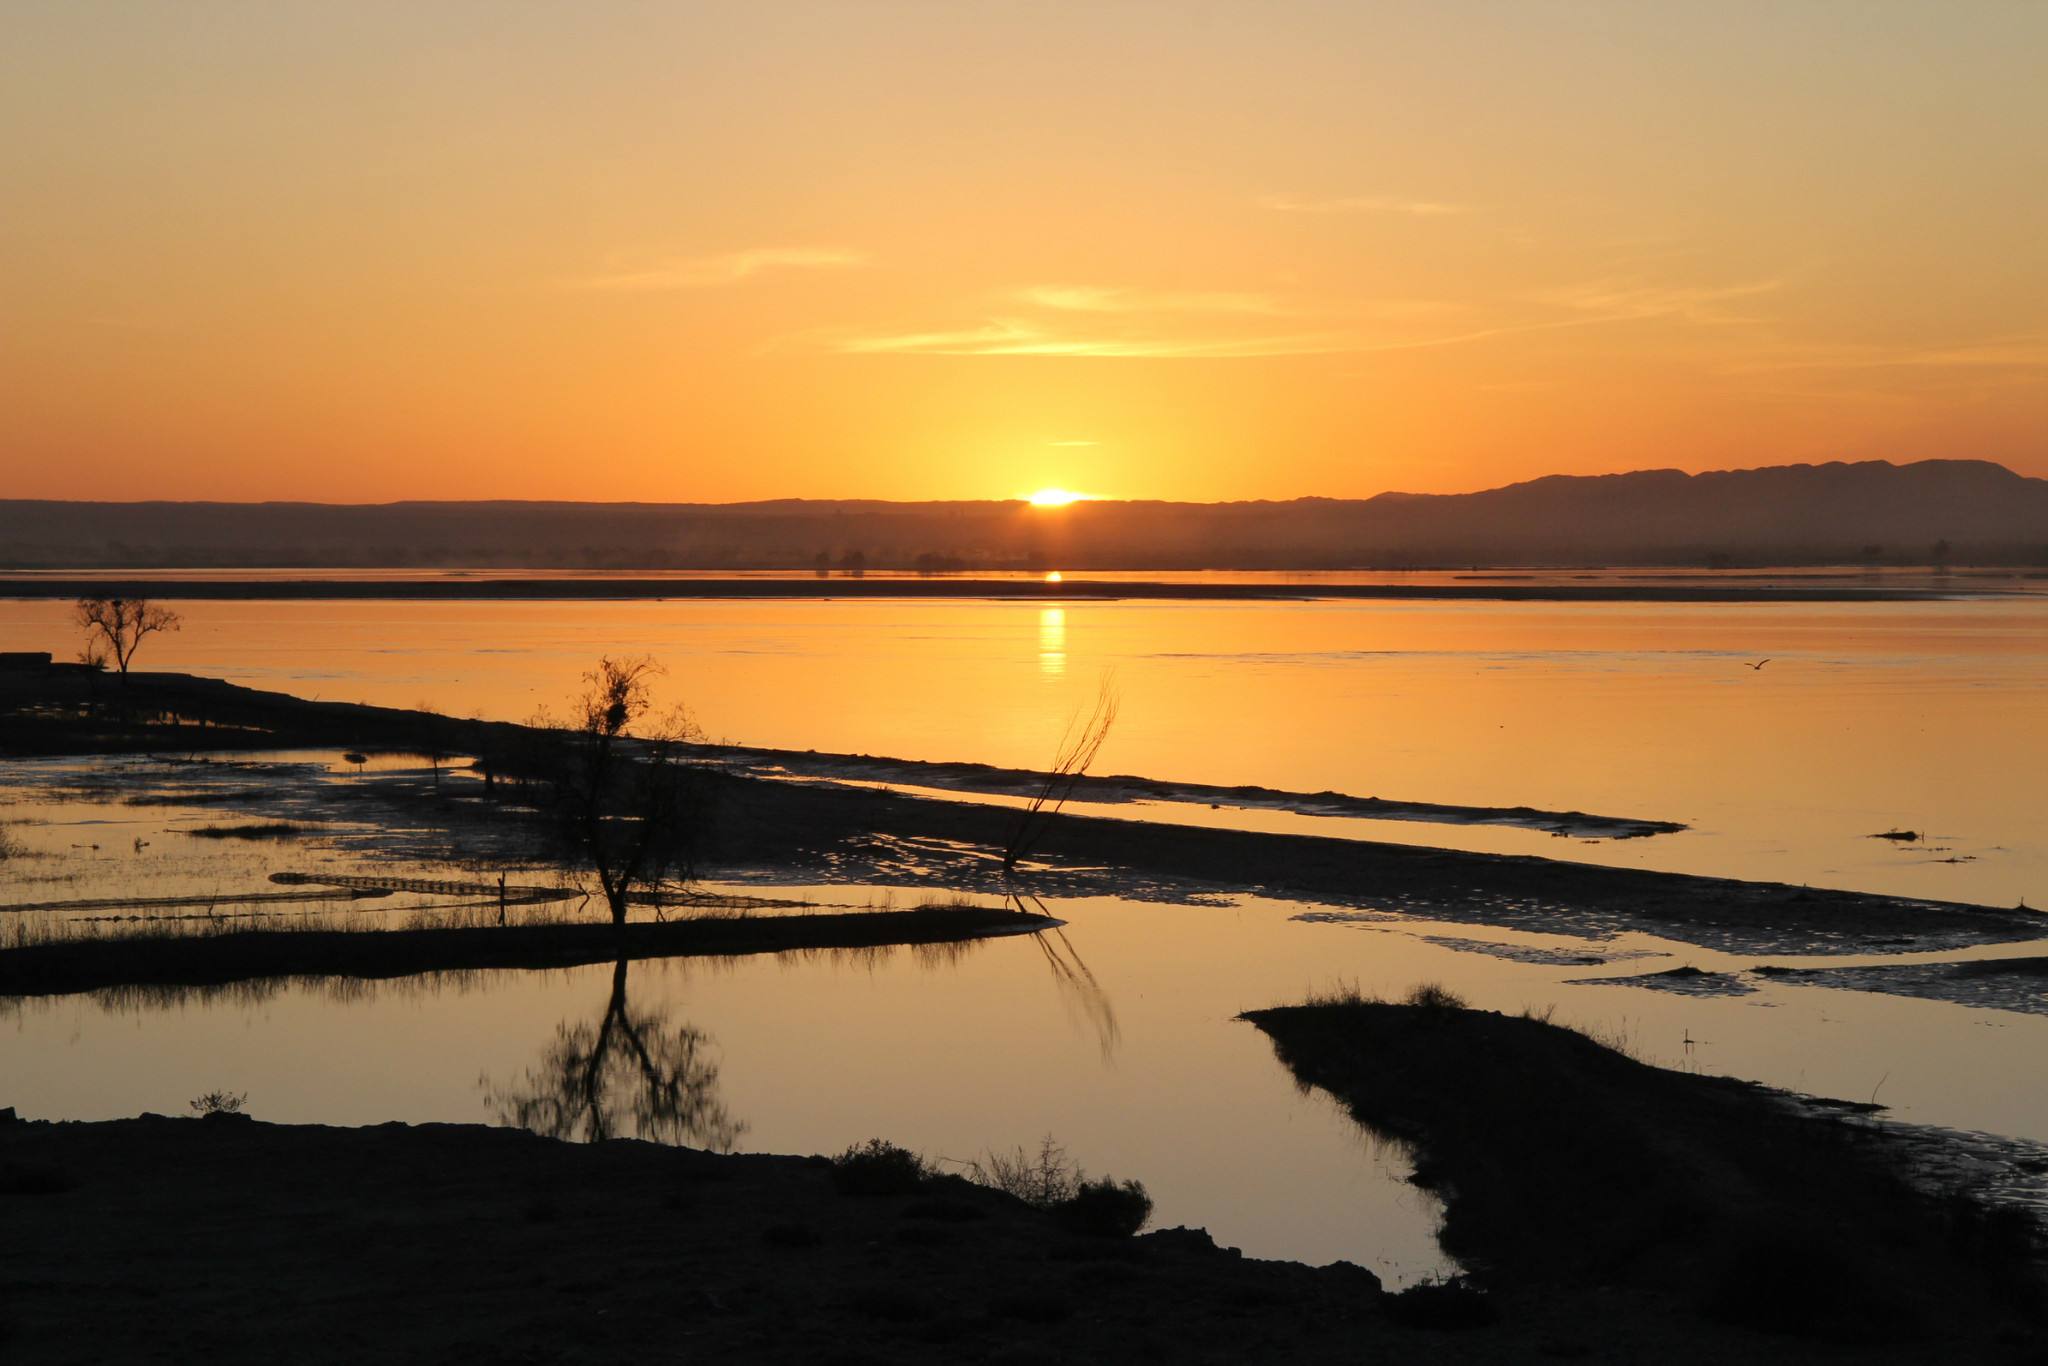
(1758, 665)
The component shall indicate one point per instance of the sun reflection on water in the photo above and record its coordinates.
(1052, 641)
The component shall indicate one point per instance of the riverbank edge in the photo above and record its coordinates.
(65, 966)
(1566, 1165)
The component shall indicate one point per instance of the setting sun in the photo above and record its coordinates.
(1055, 498)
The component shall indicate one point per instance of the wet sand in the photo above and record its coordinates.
(987, 779)
(839, 835)
(1998, 984)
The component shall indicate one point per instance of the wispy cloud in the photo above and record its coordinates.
(1015, 337)
(1362, 203)
(1107, 320)
(1100, 299)
(727, 268)
(1072, 320)
(1622, 300)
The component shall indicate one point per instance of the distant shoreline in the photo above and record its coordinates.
(654, 589)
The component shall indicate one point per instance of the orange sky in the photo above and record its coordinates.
(948, 248)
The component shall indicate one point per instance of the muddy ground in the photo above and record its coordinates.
(1566, 1165)
(235, 1241)
(65, 966)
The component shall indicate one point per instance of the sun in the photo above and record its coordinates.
(1055, 498)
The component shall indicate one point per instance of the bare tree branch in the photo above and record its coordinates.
(1077, 750)
(115, 627)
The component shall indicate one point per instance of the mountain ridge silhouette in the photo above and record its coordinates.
(1971, 511)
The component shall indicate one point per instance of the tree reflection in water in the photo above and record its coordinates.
(630, 1074)
(1085, 998)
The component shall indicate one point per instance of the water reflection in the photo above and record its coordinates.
(1922, 715)
(629, 1074)
(1079, 991)
(1052, 641)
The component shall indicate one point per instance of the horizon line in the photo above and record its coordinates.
(1023, 501)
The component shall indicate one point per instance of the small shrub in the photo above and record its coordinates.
(1106, 1208)
(1044, 1179)
(1435, 996)
(879, 1167)
(218, 1103)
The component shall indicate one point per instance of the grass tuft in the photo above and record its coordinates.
(1434, 996)
(1051, 1181)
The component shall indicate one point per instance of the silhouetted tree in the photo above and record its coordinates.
(115, 627)
(631, 1074)
(628, 796)
(1077, 749)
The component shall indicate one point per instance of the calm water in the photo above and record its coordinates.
(1868, 717)
(1147, 1074)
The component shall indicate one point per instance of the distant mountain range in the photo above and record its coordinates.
(1965, 511)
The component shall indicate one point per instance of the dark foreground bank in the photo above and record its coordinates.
(232, 1241)
(228, 1240)
(1567, 1167)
